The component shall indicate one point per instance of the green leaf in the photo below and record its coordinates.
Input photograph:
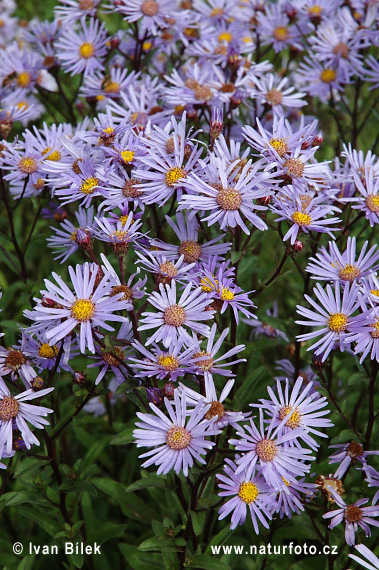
(158, 543)
(219, 539)
(147, 482)
(343, 436)
(123, 438)
(76, 559)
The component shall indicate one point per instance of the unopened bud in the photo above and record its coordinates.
(155, 396)
(298, 246)
(19, 444)
(37, 383)
(168, 390)
(79, 377)
(83, 238)
(217, 123)
(318, 140)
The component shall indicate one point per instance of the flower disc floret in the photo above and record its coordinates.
(266, 450)
(248, 492)
(173, 175)
(28, 165)
(328, 75)
(301, 219)
(149, 8)
(338, 322)
(294, 419)
(47, 351)
(8, 408)
(191, 250)
(83, 310)
(15, 359)
(281, 33)
(87, 50)
(216, 409)
(372, 203)
(295, 167)
(349, 273)
(89, 185)
(168, 362)
(178, 437)
(353, 514)
(229, 199)
(175, 316)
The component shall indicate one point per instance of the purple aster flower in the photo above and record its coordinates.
(364, 331)
(222, 417)
(268, 447)
(89, 306)
(152, 13)
(320, 79)
(165, 364)
(15, 409)
(246, 491)
(66, 238)
(274, 29)
(272, 90)
(343, 267)
(84, 182)
(13, 361)
(332, 314)
(368, 199)
(118, 232)
(232, 199)
(82, 51)
(372, 479)
(371, 561)
(209, 364)
(129, 290)
(177, 442)
(110, 85)
(348, 454)
(70, 10)
(165, 270)
(301, 408)
(355, 516)
(44, 354)
(290, 501)
(372, 73)
(304, 217)
(174, 315)
(187, 230)
(107, 360)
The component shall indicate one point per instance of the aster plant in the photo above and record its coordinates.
(189, 343)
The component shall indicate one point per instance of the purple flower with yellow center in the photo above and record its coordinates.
(187, 230)
(247, 492)
(16, 410)
(344, 267)
(118, 232)
(174, 315)
(371, 561)
(89, 306)
(222, 417)
(304, 217)
(208, 364)
(354, 515)
(85, 181)
(82, 51)
(129, 290)
(72, 10)
(367, 200)
(290, 501)
(44, 354)
(177, 441)
(364, 331)
(232, 199)
(301, 408)
(165, 270)
(347, 454)
(320, 79)
(332, 313)
(169, 364)
(268, 448)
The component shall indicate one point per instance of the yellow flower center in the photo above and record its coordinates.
(225, 37)
(54, 156)
(8, 408)
(328, 75)
(227, 294)
(375, 332)
(229, 199)
(315, 11)
(338, 322)
(87, 50)
(168, 268)
(349, 273)
(207, 285)
(178, 437)
(175, 316)
(280, 145)
(294, 420)
(248, 492)
(168, 362)
(174, 175)
(28, 165)
(111, 87)
(88, 187)
(301, 219)
(266, 450)
(372, 202)
(24, 79)
(47, 351)
(281, 33)
(127, 155)
(375, 292)
(83, 310)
